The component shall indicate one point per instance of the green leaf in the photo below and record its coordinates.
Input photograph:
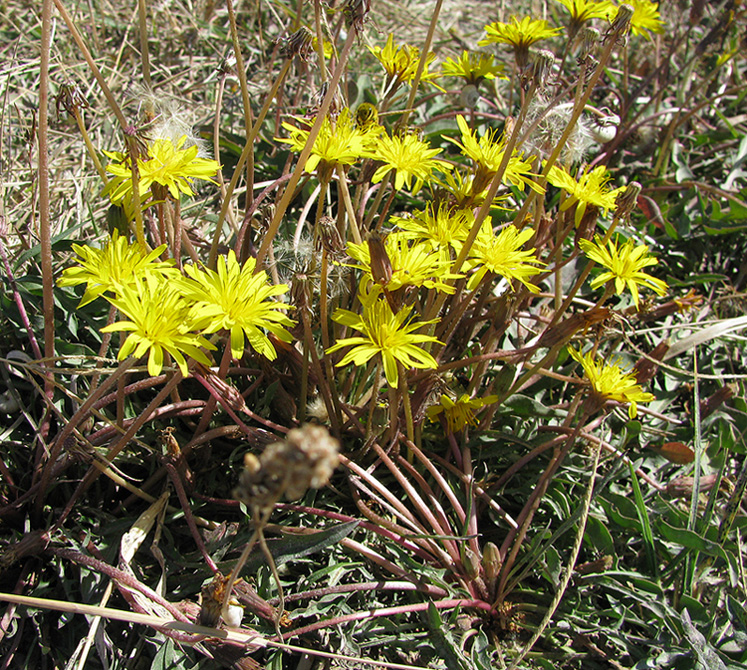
(599, 537)
(648, 538)
(692, 540)
(294, 547)
(443, 641)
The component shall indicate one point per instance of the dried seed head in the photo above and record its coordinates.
(620, 24)
(305, 459)
(541, 68)
(71, 99)
(228, 64)
(317, 409)
(589, 41)
(300, 43)
(549, 122)
(328, 237)
(626, 200)
(356, 13)
(211, 599)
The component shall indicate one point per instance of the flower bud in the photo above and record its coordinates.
(470, 562)
(491, 563)
(381, 265)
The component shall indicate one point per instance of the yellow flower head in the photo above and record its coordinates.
(473, 67)
(590, 189)
(160, 319)
(582, 11)
(519, 34)
(502, 255)
(443, 228)
(624, 265)
(118, 264)
(401, 62)
(460, 412)
(410, 158)
(412, 264)
(386, 334)
(646, 18)
(366, 116)
(487, 152)
(610, 382)
(341, 143)
(168, 165)
(236, 299)
(460, 185)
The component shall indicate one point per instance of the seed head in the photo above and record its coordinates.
(305, 459)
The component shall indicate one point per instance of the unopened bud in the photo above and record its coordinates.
(470, 562)
(328, 237)
(469, 96)
(715, 400)
(491, 562)
(381, 266)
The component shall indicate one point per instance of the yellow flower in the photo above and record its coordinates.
(169, 165)
(401, 62)
(410, 158)
(160, 320)
(237, 299)
(385, 334)
(590, 189)
(646, 18)
(624, 265)
(411, 264)
(443, 228)
(461, 187)
(473, 67)
(610, 382)
(343, 143)
(487, 153)
(502, 255)
(460, 412)
(582, 11)
(366, 116)
(118, 264)
(519, 34)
